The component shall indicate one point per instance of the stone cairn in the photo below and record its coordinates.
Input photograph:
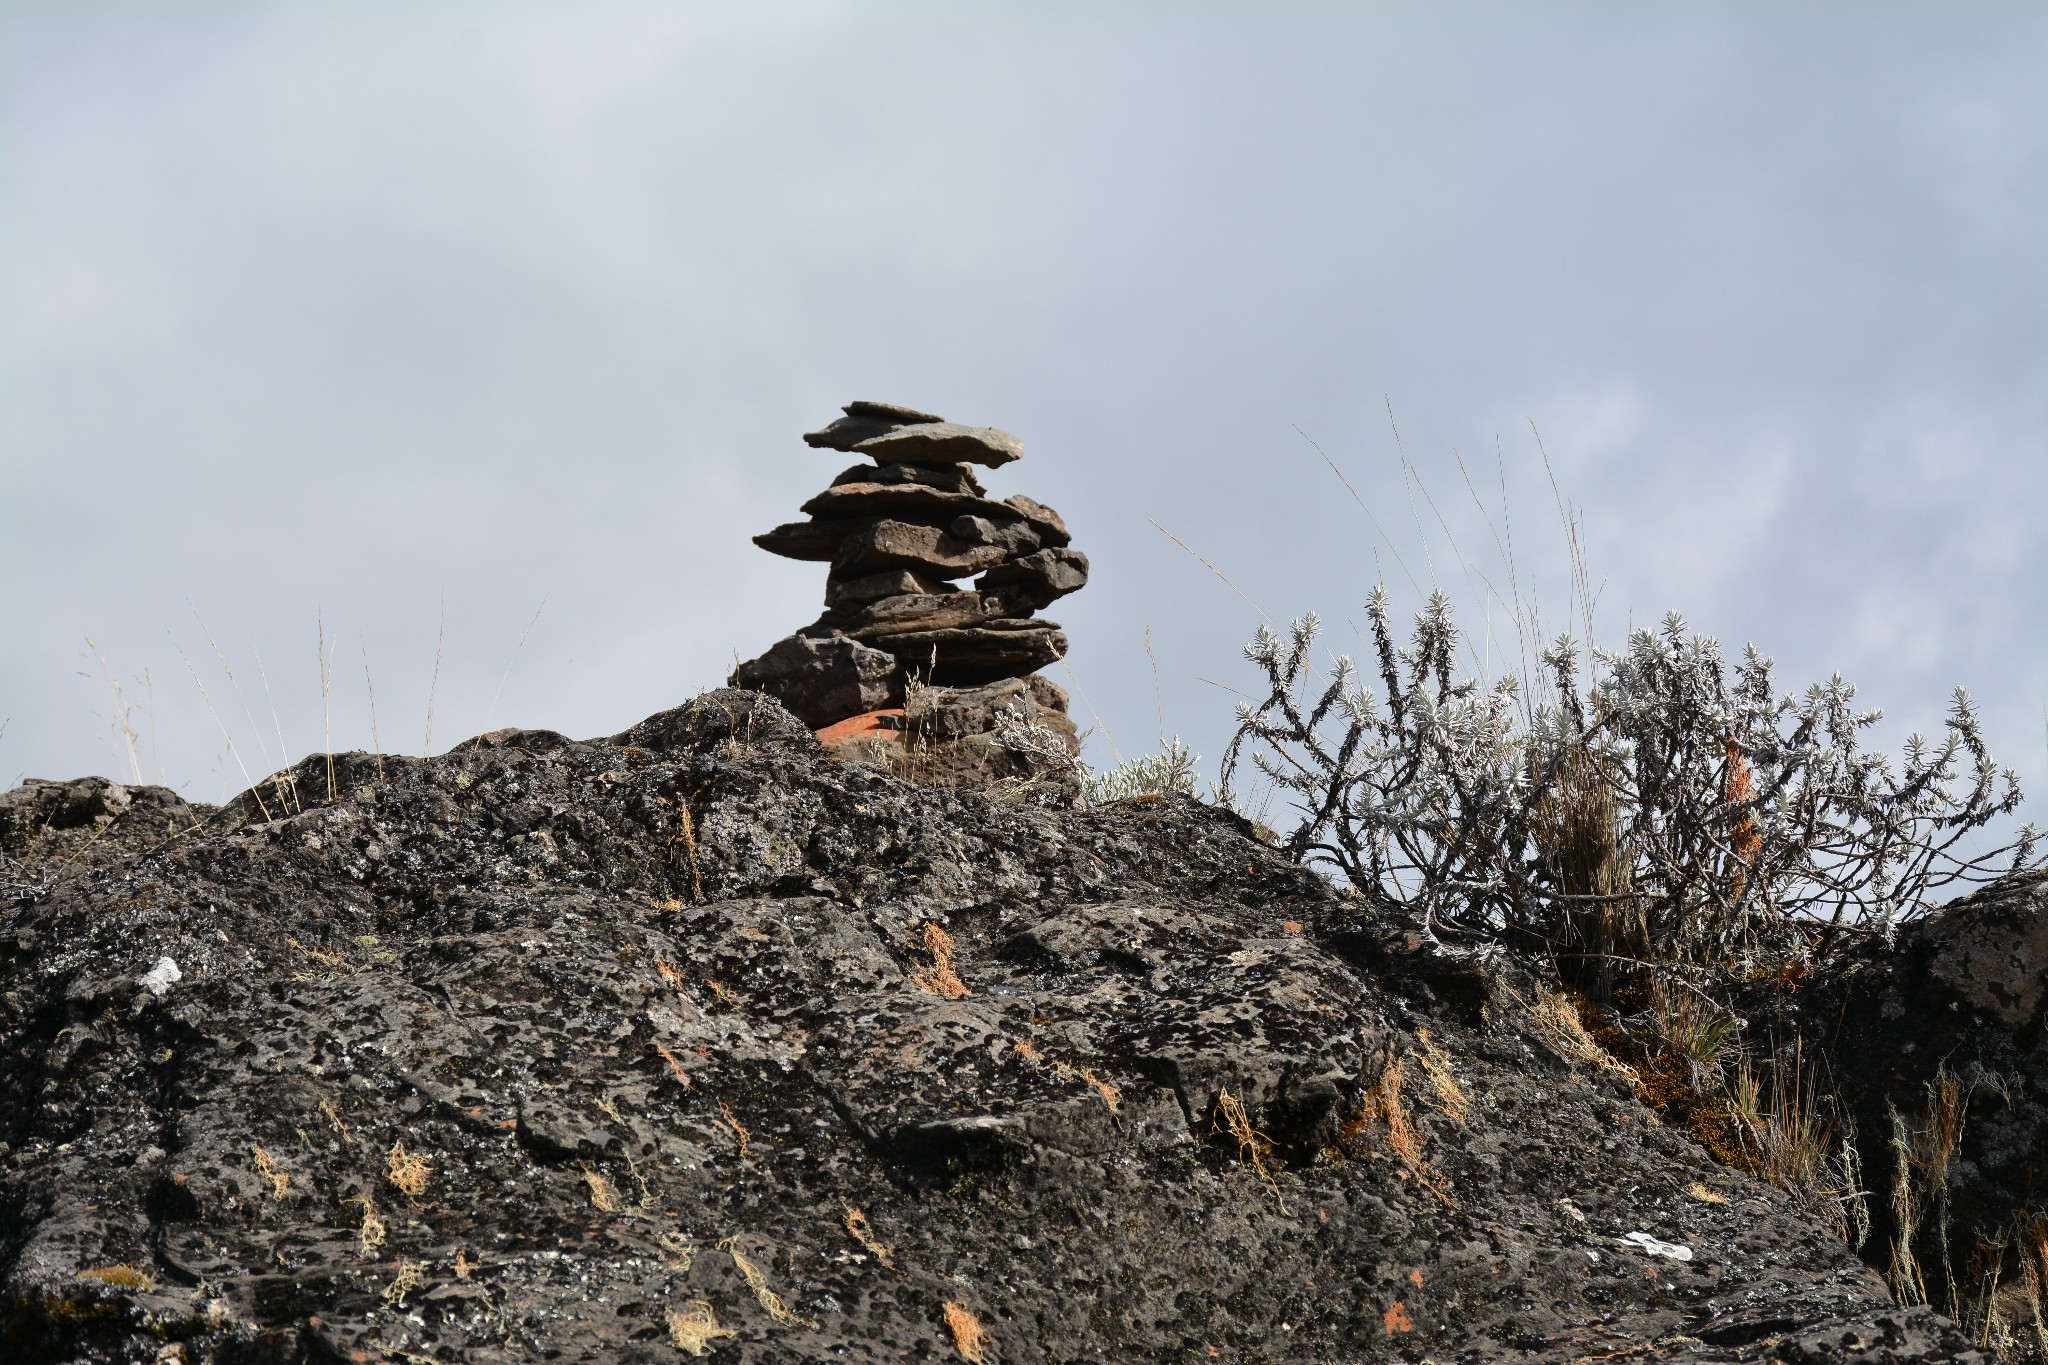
(934, 680)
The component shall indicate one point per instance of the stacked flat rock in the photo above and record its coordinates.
(900, 533)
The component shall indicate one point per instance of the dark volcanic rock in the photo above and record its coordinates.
(550, 1050)
(1946, 1031)
(824, 679)
(1052, 531)
(846, 501)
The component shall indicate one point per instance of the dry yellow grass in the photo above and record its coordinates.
(675, 1067)
(267, 1167)
(694, 1326)
(120, 1277)
(1252, 1145)
(1705, 1195)
(941, 978)
(603, 1197)
(407, 1170)
(1382, 1107)
(370, 1233)
(858, 1228)
(1436, 1066)
(742, 1135)
(407, 1280)
(758, 1283)
(970, 1339)
(1558, 1024)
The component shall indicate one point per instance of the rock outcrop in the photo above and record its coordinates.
(692, 1042)
(903, 660)
(1939, 1051)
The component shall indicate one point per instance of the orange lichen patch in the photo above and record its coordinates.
(1415, 1278)
(1025, 1050)
(941, 978)
(1396, 1319)
(866, 723)
(969, 1337)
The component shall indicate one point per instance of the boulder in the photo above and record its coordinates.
(824, 680)
(1041, 578)
(575, 1054)
(943, 443)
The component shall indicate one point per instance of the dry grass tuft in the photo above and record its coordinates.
(407, 1170)
(758, 1283)
(1705, 1195)
(858, 1228)
(1252, 1145)
(1437, 1068)
(682, 850)
(327, 1107)
(1382, 1107)
(266, 1166)
(969, 1337)
(694, 1326)
(370, 1233)
(464, 1267)
(741, 1135)
(603, 1197)
(1025, 1050)
(675, 1068)
(1557, 1023)
(407, 1280)
(120, 1277)
(941, 978)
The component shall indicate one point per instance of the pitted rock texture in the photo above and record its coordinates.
(565, 1050)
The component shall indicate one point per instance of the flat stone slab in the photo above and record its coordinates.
(978, 654)
(943, 443)
(816, 541)
(913, 611)
(872, 547)
(853, 501)
(953, 478)
(864, 421)
(846, 592)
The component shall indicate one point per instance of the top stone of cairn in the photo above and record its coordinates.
(893, 435)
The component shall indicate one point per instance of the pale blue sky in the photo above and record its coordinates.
(325, 311)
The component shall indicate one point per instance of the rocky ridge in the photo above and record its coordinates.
(902, 657)
(691, 1042)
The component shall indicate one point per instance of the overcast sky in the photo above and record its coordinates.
(320, 316)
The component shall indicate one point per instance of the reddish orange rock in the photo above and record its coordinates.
(867, 722)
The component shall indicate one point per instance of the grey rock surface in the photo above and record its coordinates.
(552, 1050)
(865, 421)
